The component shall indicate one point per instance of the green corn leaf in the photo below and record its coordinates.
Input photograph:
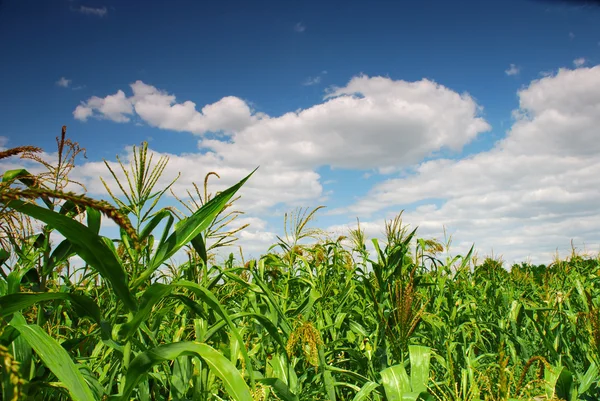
(94, 219)
(588, 378)
(4, 255)
(327, 376)
(26, 179)
(151, 297)
(155, 221)
(187, 229)
(365, 391)
(216, 306)
(565, 385)
(19, 174)
(12, 303)
(87, 244)
(232, 380)
(157, 292)
(200, 247)
(419, 367)
(60, 254)
(395, 382)
(55, 358)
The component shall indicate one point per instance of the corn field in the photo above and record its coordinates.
(315, 318)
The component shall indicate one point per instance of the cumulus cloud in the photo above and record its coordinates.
(63, 82)
(160, 109)
(372, 122)
(534, 191)
(270, 186)
(512, 70)
(97, 11)
(113, 107)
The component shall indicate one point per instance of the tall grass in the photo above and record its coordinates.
(325, 321)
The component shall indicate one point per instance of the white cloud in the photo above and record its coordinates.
(113, 107)
(64, 82)
(269, 186)
(534, 191)
(97, 11)
(3, 142)
(579, 62)
(159, 109)
(512, 70)
(370, 123)
(299, 27)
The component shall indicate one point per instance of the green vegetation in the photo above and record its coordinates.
(314, 319)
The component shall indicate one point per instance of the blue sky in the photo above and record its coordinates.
(382, 62)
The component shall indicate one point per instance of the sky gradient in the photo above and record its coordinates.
(480, 118)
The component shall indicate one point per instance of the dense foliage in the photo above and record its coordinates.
(315, 318)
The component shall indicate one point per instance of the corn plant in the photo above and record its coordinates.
(154, 314)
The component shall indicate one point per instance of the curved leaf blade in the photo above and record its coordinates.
(87, 244)
(13, 303)
(232, 380)
(55, 358)
(187, 229)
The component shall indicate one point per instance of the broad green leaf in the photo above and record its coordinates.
(94, 219)
(4, 255)
(200, 248)
(395, 382)
(232, 380)
(27, 179)
(588, 378)
(55, 358)
(88, 245)
(12, 303)
(565, 386)
(216, 306)
(551, 375)
(157, 292)
(419, 367)
(187, 229)
(60, 254)
(152, 295)
(365, 391)
(155, 221)
(327, 377)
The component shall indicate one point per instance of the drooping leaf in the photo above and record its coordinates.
(232, 380)
(87, 244)
(12, 303)
(55, 358)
